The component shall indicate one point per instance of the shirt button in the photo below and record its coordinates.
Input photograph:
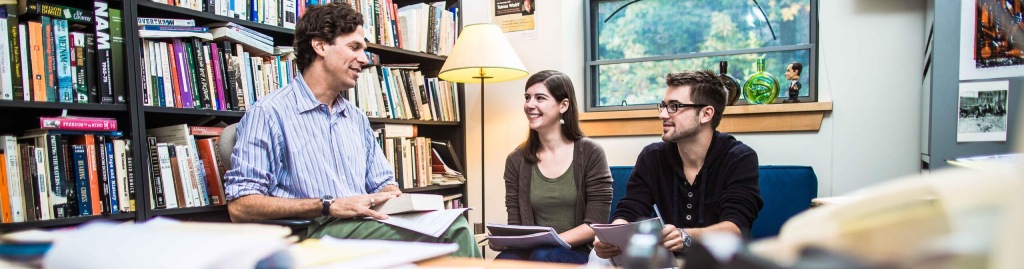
(689, 194)
(688, 217)
(689, 206)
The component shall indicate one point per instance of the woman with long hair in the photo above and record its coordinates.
(557, 178)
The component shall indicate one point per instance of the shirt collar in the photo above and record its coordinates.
(306, 101)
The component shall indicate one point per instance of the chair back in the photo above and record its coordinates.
(227, 144)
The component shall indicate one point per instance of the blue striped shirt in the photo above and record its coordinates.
(290, 145)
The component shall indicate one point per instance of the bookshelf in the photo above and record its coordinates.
(134, 117)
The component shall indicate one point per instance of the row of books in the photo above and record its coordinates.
(453, 201)
(62, 54)
(416, 160)
(53, 174)
(428, 28)
(282, 13)
(185, 171)
(193, 73)
(403, 92)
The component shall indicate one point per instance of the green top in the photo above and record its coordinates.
(553, 200)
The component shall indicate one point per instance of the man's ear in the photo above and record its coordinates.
(319, 46)
(707, 113)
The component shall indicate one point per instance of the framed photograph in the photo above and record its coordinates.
(982, 111)
(991, 39)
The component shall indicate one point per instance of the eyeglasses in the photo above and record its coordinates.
(674, 107)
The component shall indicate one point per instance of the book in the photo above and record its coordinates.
(165, 22)
(524, 237)
(104, 56)
(411, 202)
(56, 11)
(117, 79)
(74, 123)
(446, 151)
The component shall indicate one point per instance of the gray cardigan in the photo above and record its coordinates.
(590, 172)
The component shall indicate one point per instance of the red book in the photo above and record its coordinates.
(205, 130)
(73, 123)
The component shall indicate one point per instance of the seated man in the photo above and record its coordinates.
(700, 179)
(303, 151)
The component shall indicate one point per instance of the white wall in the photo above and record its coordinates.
(870, 62)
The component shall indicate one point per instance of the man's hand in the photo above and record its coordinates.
(390, 188)
(672, 238)
(358, 206)
(605, 250)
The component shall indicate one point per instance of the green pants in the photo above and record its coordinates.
(458, 233)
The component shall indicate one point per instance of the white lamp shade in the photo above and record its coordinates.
(482, 51)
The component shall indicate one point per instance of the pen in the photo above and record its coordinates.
(657, 212)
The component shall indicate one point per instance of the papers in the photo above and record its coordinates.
(999, 162)
(371, 253)
(411, 202)
(523, 237)
(165, 244)
(432, 223)
(619, 235)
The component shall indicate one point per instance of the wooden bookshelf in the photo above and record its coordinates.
(187, 210)
(432, 188)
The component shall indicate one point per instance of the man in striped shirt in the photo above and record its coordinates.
(304, 151)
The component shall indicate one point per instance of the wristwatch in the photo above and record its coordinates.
(687, 240)
(326, 201)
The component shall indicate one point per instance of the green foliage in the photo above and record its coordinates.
(651, 28)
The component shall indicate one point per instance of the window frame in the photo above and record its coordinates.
(591, 64)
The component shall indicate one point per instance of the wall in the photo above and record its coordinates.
(871, 76)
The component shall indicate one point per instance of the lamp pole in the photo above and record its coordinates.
(483, 165)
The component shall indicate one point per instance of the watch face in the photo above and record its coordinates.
(687, 241)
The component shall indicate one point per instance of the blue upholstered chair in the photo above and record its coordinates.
(786, 190)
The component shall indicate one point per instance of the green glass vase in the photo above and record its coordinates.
(761, 87)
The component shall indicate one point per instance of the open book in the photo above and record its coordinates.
(523, 237)
(619, 235)
(411, 202)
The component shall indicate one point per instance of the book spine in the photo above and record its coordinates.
(185, 88)
(82, 181)
(218, 75)
(58, 11)
(16, 54)
(78, 124)
(92, 164)
(166, 22)
(50, 60)
(156, 179)
(202, 73)
(117, 57)
(58, 194)
(81, 88)
(91, 84)
(121, 174)
(103, 53)
(168, 87)
(101, 168)
(112, 178)
(174, 28)
(61, 49)
(29, 182)
(129, 165)
(26, 64)
(144, 59)
(167, 179)
(35, 30)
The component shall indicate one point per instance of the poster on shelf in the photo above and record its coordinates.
(991, 39)
(514, 15)
(982, 111)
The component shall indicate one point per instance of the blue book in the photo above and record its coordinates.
(62, 49)
(175, 28)
(114, 209)
(81, 169)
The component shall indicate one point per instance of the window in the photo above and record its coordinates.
(632, 44)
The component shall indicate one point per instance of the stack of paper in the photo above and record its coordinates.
(619, 235)
(523, 237)
(411, 202)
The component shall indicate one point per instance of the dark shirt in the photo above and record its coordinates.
(725, 189)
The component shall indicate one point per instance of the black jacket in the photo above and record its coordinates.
(726, 188)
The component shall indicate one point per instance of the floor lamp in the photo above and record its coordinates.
(482, 54)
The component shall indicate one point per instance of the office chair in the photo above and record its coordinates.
(225, 147)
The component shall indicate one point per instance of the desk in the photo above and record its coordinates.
(448, 261)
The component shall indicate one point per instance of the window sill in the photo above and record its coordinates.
(737, 119)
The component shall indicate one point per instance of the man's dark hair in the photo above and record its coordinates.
(560, 86)
(798, 67)
(705, 88)
(325, 22)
